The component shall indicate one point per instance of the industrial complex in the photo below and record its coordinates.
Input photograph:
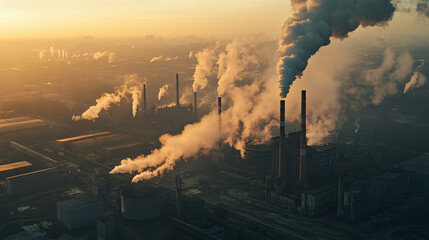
(55, 182)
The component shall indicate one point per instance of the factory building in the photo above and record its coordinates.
(23, 128)
(66, 142)
(107, 144)
(33, 182)
(79, 212)
(418, 171)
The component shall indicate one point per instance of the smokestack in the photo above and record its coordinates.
(340, 195)
(144, 98)
(281, 163)
(303, 150)
(179, 197)
(195, 104)
(219, 111)
(177, 90)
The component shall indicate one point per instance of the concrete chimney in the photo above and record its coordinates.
(144, 99)
(219, 111)
(177, 91)
(195, 104)
(179, 197)
(303, 148)
(340, 195)
(281, 164)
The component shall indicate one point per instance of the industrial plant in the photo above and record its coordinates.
(213, 120)
(59, 173)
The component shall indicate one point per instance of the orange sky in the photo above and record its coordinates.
(134, 18)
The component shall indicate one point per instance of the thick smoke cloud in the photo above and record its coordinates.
(109, 56)
(206, 61)
(247, 116)
(131, 86)
(314, 22)
(162, 91)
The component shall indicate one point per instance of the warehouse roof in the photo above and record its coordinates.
(15, 119)
(31, 173)
(82, 137)
(15, 126)
(125, 145)
(15, 165)
(76, 203)
(419, 164)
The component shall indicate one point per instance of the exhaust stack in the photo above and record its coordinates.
(177, 90)
(219, 111)
(195, 104)
(303, 149)
(144, 99)
(281, 164)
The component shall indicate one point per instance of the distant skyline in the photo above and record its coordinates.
(166, 18)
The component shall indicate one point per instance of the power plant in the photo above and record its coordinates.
(270, 192)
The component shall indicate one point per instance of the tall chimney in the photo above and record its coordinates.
(303, 149)
(340, 195)
(179, 197)
(177, 90)
(195, 104)
(281, 164)
(144, 98)
(219, 111)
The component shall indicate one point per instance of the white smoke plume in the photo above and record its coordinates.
(105, 55)
(392, 72)
(131, 86)
(52, 51)
(314, 22)
(416, 81)
(162, 91)
(234, 62)
(247, 109)
(156, 59)
(206, 60)
(42, 54)
(191, 54)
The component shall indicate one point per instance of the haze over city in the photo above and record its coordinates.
(300, 119)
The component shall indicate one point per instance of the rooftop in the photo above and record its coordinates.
(419, 164)
(15, 165)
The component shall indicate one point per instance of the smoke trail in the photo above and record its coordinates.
(206, 60)
(131, 86)
(42, 54)
(155, 59)
(244, 118)
(234, 62)
(162, 91)
(109, 56)
(393, 71)
(417, 80)
(312, 25)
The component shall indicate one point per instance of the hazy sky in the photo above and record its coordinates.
(119, 18)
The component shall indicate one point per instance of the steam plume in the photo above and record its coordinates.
(206, 60)
(131, 86)
(393, 71)
(162, 91)
(416, 81)
(244, 118)
(312, 25)
(155, 59)
(109, 56)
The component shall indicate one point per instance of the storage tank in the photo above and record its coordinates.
(141, 202)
